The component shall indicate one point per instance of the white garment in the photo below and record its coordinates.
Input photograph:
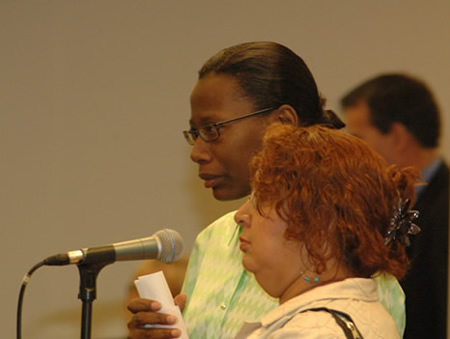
(357, 297)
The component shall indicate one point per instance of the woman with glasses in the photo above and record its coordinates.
(318, 226)
(240, 92)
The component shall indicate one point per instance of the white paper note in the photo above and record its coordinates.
(154, 286)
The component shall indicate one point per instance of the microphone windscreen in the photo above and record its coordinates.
(172, 245)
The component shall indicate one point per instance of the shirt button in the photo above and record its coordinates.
(223, 306)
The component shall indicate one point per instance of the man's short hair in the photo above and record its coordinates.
(399, 98)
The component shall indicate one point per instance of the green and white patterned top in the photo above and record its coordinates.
(222, 295)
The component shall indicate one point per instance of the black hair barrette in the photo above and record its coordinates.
(402, 223)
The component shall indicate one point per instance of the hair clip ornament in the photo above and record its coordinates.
(402, 223)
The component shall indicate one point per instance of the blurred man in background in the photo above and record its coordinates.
(399, 117)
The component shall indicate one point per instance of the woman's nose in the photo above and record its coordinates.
(200, 152)
(242, 216)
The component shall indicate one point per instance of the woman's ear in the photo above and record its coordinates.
(287, 115)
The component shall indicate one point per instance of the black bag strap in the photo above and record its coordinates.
(343, 320)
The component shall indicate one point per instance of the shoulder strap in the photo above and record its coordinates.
(343, 320)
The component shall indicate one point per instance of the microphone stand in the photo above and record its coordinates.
(87, 293)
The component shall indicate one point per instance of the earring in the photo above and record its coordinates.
(308, 279)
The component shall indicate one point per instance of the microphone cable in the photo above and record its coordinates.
(25, 281)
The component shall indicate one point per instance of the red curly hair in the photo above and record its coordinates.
(336, 194)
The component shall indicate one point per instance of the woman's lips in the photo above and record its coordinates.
(244, 244)
(210, 179)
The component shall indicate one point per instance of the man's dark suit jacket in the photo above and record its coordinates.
(426, 283)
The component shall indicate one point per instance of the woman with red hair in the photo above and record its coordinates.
(325, 216)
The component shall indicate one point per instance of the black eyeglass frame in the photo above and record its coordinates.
(192, 134)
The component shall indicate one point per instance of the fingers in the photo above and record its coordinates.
(156, 333)
(140, 319)
(140, 326)
(143, 305)
(145, 321)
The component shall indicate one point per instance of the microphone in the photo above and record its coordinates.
(165, 245)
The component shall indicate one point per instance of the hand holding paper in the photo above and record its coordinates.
(154, 286)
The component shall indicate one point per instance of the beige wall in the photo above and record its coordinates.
(94, 95)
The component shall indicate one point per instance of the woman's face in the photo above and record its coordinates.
(275, 261)
(223, 163)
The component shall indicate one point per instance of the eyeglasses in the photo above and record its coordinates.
(211, 132)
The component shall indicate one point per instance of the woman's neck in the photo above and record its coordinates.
(308, 280)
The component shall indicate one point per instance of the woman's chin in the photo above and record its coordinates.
(222, 193)
(247, 263)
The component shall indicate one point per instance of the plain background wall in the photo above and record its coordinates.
(93, 98)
